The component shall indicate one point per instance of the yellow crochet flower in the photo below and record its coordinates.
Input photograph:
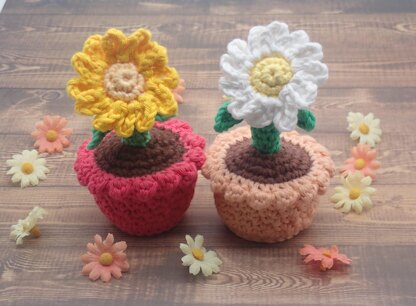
(124, 82)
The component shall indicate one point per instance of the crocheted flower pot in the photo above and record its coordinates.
(267, 197)
(144, 190)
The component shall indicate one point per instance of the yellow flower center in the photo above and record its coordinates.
(326, 253)
(27, 168)
(106, 259)
(35, 231)
(51, 135)
(363, 128)
(355, 193)
(270, 74)
(359, 164)
(123, 81)
(198, 254)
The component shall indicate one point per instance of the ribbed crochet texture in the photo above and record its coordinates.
(266, 139)
(148, 204)
(267, 212)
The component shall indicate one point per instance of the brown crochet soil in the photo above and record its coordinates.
(290, 163)
(163, 150)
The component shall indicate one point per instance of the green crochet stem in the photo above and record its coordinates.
(224, 120)
(137, 139)
(141, 139)
(97, 136)
(266, 139)
(306, 120)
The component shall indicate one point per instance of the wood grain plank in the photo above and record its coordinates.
(392, 212)
(247, 281)
(369, 49)
(394, 106)
(399, 163)
(358, 41)
(202, 7)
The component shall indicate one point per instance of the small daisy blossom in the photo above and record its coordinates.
(105, 259)
(27, 226)
(179, 91)
(364, 128)
(27, 168)
(363, 160)
(272, 75)
(51, 134)
(355, 193)
(198, 258)
(325, 256)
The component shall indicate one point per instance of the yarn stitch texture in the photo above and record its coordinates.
(148, 204)
(267, 212)
(272, 75)
(124, 82)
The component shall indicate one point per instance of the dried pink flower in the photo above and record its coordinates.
(325, 256)
(105, 259)
(51, 134)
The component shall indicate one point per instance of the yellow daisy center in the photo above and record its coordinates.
(198, 254)
(123, 81)
(359, 164)
(106, 259)
(270, 74)
(355, 193)
(326, 253)
(35, 231)
(27, 168)
(51, 135)
(363, 128)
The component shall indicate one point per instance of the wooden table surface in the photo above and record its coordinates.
(369, 47)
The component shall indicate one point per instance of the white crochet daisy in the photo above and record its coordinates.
(27, 168)
(198, 258)
(27, 226)
(355, 193)
(365, 128)
(272, 75)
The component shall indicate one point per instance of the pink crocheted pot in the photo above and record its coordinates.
(267, 198)
(144, 191)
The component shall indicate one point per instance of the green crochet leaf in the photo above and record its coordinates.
(137, 139)
(162, 118)
(224, 120)
(306, 120)
(266, 139)
(97, 136)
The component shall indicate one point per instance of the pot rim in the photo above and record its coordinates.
(238, 189)
(97, 180)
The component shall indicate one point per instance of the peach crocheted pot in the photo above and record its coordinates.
(144, 191)
(267, 197)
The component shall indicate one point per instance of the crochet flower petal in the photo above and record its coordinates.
(272, 76)
(116, 71)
